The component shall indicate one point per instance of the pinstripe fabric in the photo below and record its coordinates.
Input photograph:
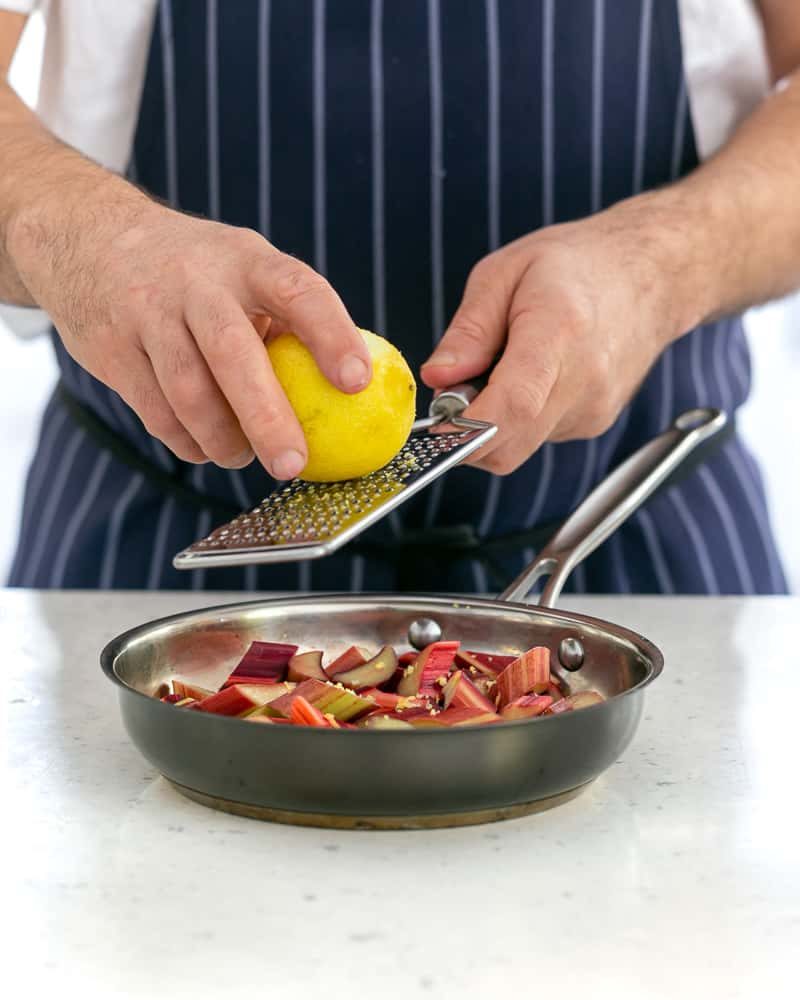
(47, 534)
(378, 221)
(212, 109)
(77, 518)
(126, 498)
(264, 10)
(393, 145)
(436, 178)
(160, 540)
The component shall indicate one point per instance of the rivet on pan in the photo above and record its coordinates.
(423, 631)
(570, 653)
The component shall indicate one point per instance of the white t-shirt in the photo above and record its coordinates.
(95, 54)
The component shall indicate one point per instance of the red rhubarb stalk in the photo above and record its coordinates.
(583, 699)
(374, 672)
(239, 699)
(305, 665)
(462, 693)
(490, 664)
(433, 662)
(190, 690)
(467, 716)
(263, 663)
(383, 722)
(527, 707)
(352, 657)
(331, 699)
(529, 672)
(303, 713)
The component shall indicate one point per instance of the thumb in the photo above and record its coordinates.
(476, 333)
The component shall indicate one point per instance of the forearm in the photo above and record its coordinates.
(43, 185)
(732, 227)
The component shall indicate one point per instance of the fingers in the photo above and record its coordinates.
(518, 397)
(304, 302)
(195, 398)
(238, 361)
(477, 331)
(140, 389)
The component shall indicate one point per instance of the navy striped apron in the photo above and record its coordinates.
(392, 144)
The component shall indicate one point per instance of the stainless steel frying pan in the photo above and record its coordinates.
(420, 778)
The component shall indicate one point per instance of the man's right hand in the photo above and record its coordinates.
(171, 311)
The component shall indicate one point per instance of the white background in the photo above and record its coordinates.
(770, 421)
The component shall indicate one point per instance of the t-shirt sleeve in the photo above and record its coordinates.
(19, 6)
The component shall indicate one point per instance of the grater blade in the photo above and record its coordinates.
(308, 520)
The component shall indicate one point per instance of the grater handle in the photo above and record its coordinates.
(451, 403)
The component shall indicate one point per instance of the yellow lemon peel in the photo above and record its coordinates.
(348, 435)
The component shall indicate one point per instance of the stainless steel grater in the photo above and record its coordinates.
(309, 520)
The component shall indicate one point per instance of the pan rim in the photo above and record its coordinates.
(648, 649)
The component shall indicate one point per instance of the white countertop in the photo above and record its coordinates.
(676, 874)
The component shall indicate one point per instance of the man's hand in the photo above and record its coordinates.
(171, 311)
(579, 312)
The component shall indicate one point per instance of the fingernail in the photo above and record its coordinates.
(288, 464)
(243, 460)
(441, 359)
(353, 372)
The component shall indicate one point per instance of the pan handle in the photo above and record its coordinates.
(613, 502)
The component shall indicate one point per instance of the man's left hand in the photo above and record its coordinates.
(579, 313)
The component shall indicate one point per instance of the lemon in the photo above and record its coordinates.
(348, 435)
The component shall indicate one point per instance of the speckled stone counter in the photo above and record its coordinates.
(676, 875)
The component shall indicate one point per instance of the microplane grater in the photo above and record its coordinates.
(302, 520)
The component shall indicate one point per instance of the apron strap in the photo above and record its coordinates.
(165, 482)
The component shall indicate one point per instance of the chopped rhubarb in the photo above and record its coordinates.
(427, 720)
(433, 662)
(376, 671)
(383, 699)
(583, 699)
(263, 663)
(466, 715)
(190, 690)
(442, 686)
(305, 665)
(311, 690)
(527, 707)
(491, 664)
(355, 656)
(461, 692)
(450, 686)
(529, 672)
(345, 705)
(260, 716)
(239, 699)
(486, 685)
(331, 699)
(303, 713)
(410, 713)
(383, 722)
